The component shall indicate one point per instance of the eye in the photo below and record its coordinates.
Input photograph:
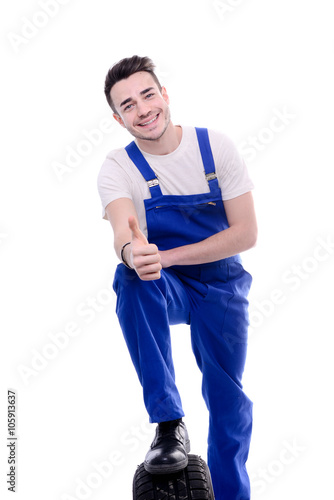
(128, 107)
(149, 95)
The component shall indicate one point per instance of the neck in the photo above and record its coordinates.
(166, 144)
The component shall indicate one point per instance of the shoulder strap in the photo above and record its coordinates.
(139, 160)
(207, 157)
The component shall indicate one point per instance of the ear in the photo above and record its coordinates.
(164, 94)
(118, 119)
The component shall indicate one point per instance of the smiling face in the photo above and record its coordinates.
(141, 107)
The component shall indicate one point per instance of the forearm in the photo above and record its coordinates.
(118, 213)
(119, 242)
(224, 244)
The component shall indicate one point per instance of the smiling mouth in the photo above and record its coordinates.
(149, 122)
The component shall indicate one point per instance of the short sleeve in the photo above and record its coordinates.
(113, 182)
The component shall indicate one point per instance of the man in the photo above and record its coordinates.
(180, 204)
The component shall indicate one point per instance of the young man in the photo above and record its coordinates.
(179, 202)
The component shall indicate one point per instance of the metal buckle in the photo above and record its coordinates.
(152, 183)
(211, 176)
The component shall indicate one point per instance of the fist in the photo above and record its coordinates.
(144, 257)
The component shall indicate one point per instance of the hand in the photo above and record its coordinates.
(144, 257)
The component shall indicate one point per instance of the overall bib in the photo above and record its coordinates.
(212, 299)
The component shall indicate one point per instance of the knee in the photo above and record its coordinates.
(128, 284)
(123, 277)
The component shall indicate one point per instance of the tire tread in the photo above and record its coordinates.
(192, 483)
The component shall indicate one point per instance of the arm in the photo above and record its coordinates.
(143, 257)
(240, 236)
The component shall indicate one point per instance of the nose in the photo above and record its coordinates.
(143, 109)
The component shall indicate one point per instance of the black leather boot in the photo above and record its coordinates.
(169, 449)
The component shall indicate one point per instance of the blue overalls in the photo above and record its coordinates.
(212, 299)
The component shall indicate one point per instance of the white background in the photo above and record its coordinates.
(229, 65)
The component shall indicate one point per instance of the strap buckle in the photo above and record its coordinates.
(152, 183)
(211, 176)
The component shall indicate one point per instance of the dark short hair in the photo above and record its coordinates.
(125, 68)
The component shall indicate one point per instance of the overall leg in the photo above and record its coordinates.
(219, 340)
(145, 309)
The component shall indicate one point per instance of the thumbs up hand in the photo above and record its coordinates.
(144, 257)
(136, 232)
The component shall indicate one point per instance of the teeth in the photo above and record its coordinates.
(147, 123)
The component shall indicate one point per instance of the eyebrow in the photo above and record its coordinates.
(143, 92)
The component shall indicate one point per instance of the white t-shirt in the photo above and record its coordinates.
(180, 172)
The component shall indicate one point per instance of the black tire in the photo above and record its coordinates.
(192, 483)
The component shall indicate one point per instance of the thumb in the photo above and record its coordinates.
(136, 232)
